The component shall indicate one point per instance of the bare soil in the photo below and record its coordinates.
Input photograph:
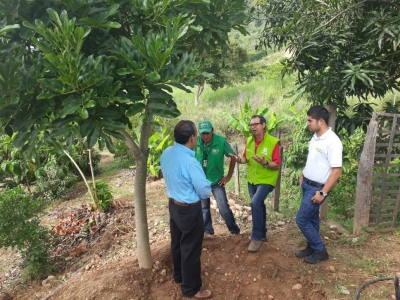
(102, 264)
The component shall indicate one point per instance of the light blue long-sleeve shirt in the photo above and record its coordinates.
(184, 177)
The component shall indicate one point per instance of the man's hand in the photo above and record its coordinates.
(236, 158)
(224, 180)
(317, 198)
(301, 180)
(260, 160)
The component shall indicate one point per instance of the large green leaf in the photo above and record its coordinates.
(93, 136)
(71, 107)
(87, 126)
(7, 28)
(52, 142)
(135, 108)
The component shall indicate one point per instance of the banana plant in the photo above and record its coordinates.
(242, 122)
(157, 143)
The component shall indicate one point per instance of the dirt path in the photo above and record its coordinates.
(109, 268)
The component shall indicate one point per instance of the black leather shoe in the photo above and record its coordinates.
(316, 257)
(305, 252)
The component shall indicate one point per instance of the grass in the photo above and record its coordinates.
(213, 104)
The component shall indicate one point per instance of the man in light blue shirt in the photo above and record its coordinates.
(186, 186)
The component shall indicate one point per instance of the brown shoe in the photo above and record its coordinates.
(203, 294)
(255, 245)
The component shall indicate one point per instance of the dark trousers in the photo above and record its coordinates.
(187, 232)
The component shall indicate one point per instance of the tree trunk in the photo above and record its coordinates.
(364, 179)
(332, 122)
(142, 233)
(200, 89)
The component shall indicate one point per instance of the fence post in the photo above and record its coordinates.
(236, 172)
(364, 178)
(277, 190)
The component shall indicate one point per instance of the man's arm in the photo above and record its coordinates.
(200, 183)
(333, 178)
(330, 183)
(224, 180)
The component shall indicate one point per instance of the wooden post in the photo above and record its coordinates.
(236, 172)
(364, 178)
(277, 190)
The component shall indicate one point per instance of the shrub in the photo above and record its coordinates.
(55, 182)
(20, 228)
(103, 196)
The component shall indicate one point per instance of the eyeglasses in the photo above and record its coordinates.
(254, 124)
(205, 133)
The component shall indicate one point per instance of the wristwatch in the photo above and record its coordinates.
(266, 164)
(322, 193)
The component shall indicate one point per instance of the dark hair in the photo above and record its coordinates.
(262, 119)
(319, 112)
(183, 131)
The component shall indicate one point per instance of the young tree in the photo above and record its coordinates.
(81, 69)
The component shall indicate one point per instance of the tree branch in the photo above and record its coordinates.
(133, 147)
(355, 5)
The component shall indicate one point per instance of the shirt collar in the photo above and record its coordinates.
(184, 149)
(212, 142)
(325, 135)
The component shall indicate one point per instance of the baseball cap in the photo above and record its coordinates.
(205, 126)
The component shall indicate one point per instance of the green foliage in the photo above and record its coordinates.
(103, 196)
(362, 113)
(296, 154)
(122, 153)
(95, 64)
(16, 168)
(51, 173)
(158, 142)
(342, 197)
(20, 228)
(54, 184)
(338, 48)
(81, 156)
(227, 68)
(242, 122)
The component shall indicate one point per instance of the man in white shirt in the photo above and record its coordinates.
(322, 170)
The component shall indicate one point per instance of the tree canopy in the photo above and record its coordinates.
(78, 69)
(337, 48)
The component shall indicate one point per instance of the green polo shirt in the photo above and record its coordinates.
(211, 156)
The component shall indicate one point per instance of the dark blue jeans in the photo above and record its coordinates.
(226, 213)
(307, 217)
(258, 193)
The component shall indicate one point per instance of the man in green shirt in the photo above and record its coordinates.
(210, 151)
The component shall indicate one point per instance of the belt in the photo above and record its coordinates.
(313, 183)
(183, 204)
